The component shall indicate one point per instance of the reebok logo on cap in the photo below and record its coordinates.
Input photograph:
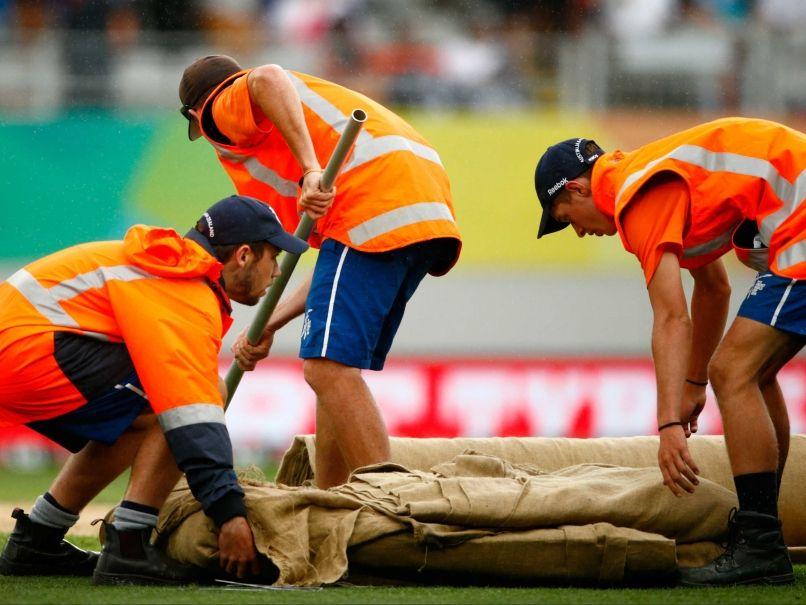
(557, 185)
(560, 164)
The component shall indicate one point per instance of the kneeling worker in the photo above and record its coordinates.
(111, 350)
(679, 202)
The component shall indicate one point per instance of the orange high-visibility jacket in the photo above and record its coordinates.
(735, 169)
(392, 191)
(153, 291)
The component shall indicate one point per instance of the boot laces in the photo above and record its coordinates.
(727, 559)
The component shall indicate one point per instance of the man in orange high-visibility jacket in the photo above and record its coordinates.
(111, 350)
(683, 201)
(389, 222)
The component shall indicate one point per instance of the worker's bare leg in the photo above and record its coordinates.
(330, 467)
(90, 470)
(154, 471)
(754, 416)
(774, 399)
(352, 425)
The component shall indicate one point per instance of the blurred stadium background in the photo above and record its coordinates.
(548, 338)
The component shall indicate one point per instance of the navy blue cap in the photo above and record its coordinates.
(561, 163)
(239, 219)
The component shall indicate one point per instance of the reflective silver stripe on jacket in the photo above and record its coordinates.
(367, 147)
(96, 279)
(194, 413)
(791, 256)
(260, 172)
(791, 194)
(39, 297)
(47, 301)
(378, 146)
(777, 218)
(323, 108)
(710, 246)
(397, 218)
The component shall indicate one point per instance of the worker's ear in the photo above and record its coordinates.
(242, 254)
(578, 186)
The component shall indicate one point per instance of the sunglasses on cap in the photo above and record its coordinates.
(194, 131)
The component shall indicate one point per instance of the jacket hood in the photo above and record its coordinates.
(165, 253)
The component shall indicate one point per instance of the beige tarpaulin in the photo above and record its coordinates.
(552, 454)
(473, 515)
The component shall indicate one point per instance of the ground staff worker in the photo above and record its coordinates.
(390, 223)
(111, 350)
(679, 202)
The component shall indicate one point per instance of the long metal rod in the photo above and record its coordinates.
(289, 261)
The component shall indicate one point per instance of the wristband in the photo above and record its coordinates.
(697, 383)
(668, 424)
(306, 173)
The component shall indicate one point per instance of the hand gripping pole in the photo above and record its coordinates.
(289, 261)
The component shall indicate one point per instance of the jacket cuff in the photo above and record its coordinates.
(229, 506)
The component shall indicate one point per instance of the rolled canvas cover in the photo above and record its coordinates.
(551, 454)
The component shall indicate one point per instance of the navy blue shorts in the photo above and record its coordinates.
(103, 419)
(357, 299)
(777, 301)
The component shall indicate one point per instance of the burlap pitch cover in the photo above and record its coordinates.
(474, 516)
(552, 454)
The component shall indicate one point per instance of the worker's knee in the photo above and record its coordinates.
(721, 375)
(322, 373)
(144, 422)
(729, 375)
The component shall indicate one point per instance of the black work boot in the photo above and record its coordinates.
(34, 549)
(755, 554)
(128, 557)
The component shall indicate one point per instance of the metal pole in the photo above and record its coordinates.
(289, 261)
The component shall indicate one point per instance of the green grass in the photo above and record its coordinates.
(26, 485)
(72, 590)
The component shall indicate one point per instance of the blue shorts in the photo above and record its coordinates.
(777, 301)
(357, 299)
(103, 419)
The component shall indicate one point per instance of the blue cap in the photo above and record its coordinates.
(561, 163)
(239, 219)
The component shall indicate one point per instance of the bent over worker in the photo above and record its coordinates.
(681, 202)
(111, 350)
(389, 222)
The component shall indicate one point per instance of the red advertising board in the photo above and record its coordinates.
(472, 397)
(480, 398)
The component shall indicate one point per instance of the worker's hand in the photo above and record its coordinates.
(237, 554)
(691, 407)
(676, 464)
(312, 199)
(246, 354)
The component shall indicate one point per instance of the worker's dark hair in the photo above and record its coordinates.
(224, 253)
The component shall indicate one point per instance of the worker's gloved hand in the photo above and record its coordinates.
(312, 199)
(237, 554)
(247, 355)
(691, 407)
(676, 464)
